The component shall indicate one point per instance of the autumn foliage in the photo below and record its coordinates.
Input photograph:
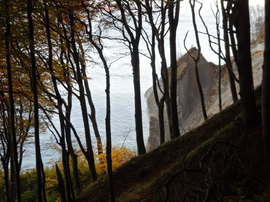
(120, 155)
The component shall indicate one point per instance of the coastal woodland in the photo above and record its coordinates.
(45, 49)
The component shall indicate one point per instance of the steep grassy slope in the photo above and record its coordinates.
(218, 161)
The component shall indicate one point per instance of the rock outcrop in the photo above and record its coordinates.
(188, 98)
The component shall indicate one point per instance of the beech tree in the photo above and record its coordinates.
(266, 85)
(173, 16)
(159, 31)
(225, 21)
(75, 54)
(5, 145)
(197, 57)
(11, 109)
(39, 163)
(15, 80)
(73, 63)
(63, 137)
(92, 114)
(241, 22)
(132, 34)
(98, 45)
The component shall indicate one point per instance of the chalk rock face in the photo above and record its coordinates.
(188, 97)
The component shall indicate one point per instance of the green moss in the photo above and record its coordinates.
(134, 194)
(224, 134)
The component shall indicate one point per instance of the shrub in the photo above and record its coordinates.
(120, 155)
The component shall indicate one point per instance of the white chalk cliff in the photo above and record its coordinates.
(188, 98)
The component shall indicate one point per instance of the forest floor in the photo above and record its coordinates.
(217, 161)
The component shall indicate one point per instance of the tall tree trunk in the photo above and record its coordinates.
(11, 114)
(173, 21)
(266, 85)
(135, 61)
(155, 80)
(93, 114)
(61, 184)
(12, 180)
(66, 168)
(74, 157)
(219, 64)
(231, 29)
(107, 123)
(138, 106)
(5, 163)
(165, 81)
(225, 17)
(159, 34)
(108, 130)
(197, 58)
(244, 65)
(71, 151)
(99, 47)
(90, 154)
(159, 102)
(5, 137)
(39, 164)
(69, 187)
(164, 71)
(65, 159)
(91, 103)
